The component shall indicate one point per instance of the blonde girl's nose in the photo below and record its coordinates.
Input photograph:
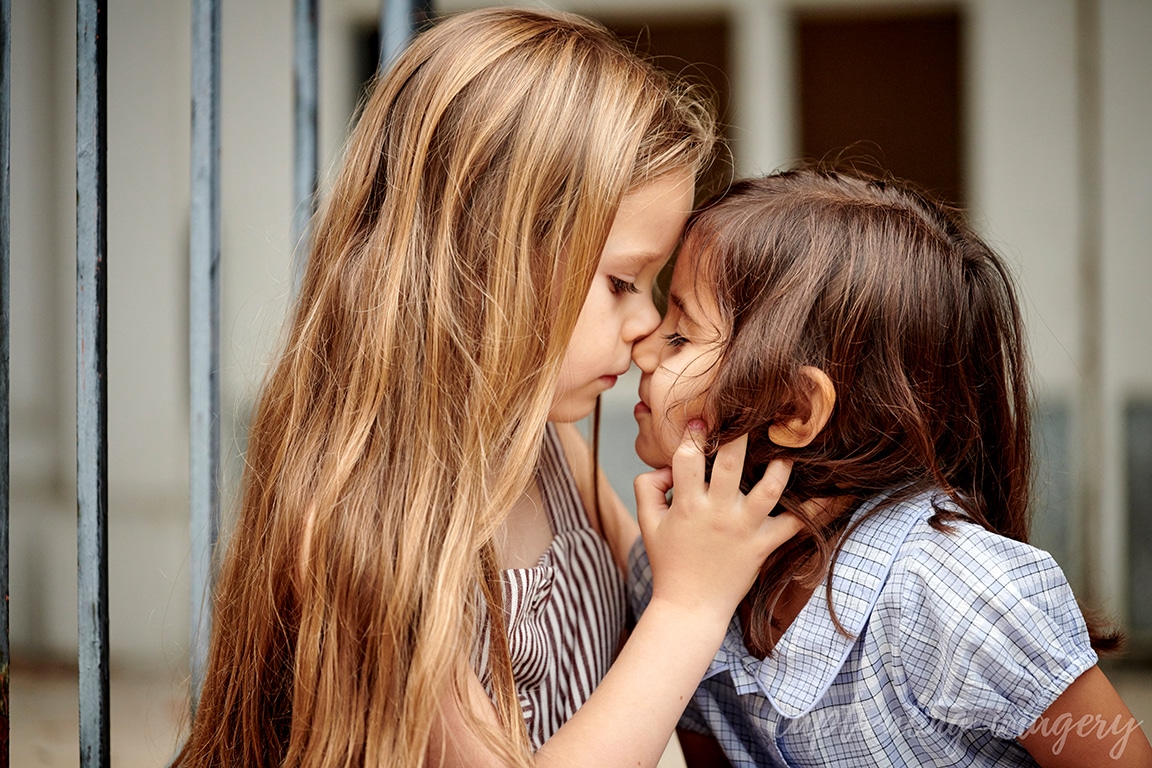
(642, 321)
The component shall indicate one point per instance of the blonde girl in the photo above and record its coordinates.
(419, 573)
(865, 332)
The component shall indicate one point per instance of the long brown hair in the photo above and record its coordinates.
(405, 414)
(913, 318)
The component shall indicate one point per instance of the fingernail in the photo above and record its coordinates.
(696, 425)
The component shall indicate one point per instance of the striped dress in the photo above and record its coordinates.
(565, 615)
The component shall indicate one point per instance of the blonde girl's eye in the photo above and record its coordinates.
(622, 286)
(675, 339)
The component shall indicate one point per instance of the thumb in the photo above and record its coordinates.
(651, 490)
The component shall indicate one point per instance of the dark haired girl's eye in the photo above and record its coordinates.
(674, 339)
(622, 286)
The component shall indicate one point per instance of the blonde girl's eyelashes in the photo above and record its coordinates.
(619, 285)
(675, 339)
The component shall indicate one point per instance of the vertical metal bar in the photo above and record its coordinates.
(5, 328)
(204, 326)
(306, 88)
(1091, 389)
(399, 20)
(92, 378)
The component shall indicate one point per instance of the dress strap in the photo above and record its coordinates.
(558, 487)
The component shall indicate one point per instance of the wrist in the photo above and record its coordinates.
(706, 616)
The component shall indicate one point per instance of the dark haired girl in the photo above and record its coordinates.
(869, 336)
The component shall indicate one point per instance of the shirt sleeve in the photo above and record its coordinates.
(639, 578)
(989, 632)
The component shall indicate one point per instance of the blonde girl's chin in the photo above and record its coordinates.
(572, 407)
(569, 413)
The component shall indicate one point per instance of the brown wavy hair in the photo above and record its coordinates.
(405, 414)
(915, 320)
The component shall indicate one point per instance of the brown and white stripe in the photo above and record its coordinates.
(565, 615)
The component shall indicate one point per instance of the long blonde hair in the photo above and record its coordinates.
(405, 414)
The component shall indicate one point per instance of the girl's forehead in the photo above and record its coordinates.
(689, 271)
(693, 295)
(648, 223)
(632, 262)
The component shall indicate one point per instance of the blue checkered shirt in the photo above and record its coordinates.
(959, 641)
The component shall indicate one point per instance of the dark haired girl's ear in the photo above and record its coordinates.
(799, 431)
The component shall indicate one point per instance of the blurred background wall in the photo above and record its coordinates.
(1032, 114)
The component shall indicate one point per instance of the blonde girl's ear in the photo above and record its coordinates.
(799, 431)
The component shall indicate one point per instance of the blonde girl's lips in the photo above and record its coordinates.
(608, 381)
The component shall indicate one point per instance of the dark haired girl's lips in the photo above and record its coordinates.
(641, 409)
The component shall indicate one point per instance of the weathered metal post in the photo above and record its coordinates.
(92, 378)
(204, 328)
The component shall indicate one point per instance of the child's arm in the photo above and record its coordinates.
(705, 550)
(1088, 724)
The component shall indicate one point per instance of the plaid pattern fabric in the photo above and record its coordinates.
(959, 641)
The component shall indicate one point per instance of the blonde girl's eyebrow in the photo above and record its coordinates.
(634, 262)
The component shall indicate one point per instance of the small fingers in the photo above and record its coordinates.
(767, 492)
(688, 461)
(728, 469)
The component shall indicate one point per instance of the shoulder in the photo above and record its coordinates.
(1002, 612)
(965, 577)
(965, 559)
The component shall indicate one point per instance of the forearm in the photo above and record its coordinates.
(629, 718)
(705, 550)
(632, 714)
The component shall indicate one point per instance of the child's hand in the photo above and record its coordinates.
(707, 547)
